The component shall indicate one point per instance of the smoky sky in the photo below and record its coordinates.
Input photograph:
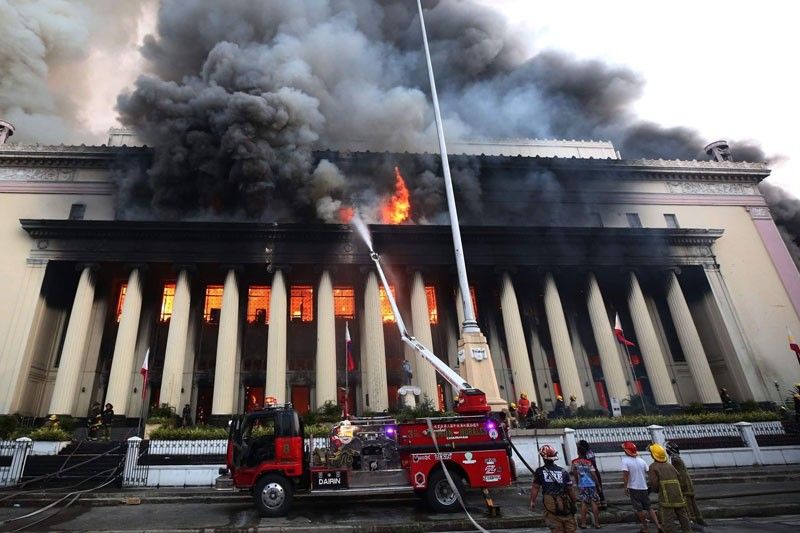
(239, 95)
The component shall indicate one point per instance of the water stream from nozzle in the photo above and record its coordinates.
(363, 231)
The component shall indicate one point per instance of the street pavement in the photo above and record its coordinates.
(752, 500)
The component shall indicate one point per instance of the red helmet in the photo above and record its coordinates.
(630, 448)
(548, 452)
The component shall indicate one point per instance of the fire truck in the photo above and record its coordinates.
(435, 458)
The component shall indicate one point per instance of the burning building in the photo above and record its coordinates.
(567, 235)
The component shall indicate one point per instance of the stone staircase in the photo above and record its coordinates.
(84, 462)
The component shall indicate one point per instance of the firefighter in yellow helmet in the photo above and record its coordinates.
(560, 410)
(663, 479)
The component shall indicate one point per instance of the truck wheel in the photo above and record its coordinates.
(440, 494)
(273, 495)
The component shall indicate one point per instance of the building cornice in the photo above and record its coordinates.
(242, 242)
(12, 155)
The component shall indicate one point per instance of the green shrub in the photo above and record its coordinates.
(50, 434)
(162, 411)
(749, 406)
(165, 421)
(8, 425)
(318, 430)
(189, 433)
(665, 420)
(694, 408)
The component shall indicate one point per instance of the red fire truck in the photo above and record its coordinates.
(436, 458)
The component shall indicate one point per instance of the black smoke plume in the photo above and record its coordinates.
(240, 96)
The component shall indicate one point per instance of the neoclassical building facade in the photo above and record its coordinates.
(685, 252)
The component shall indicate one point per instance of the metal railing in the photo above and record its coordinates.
(598, 435)
(188, 447)
(700, 431)
(768, 428)
(13, 455)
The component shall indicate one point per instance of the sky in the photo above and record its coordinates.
(724, 69)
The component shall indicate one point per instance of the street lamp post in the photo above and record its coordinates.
(473, 351)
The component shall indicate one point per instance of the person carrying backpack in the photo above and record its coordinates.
(558, 493)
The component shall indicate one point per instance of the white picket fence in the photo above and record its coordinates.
(696, 431)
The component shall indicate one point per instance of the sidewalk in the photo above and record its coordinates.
(758, 492)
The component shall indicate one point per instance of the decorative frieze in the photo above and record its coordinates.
(759, 212)
(37, 174)
(711, 187)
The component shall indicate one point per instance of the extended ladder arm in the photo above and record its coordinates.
(450, 375)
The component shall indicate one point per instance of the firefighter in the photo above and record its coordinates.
(512, 415)
(523, 405)
(560, 410)
(663, 479)
(558, 493)
(52, 422)
(573, 405)
(687, 487)
(107, 418)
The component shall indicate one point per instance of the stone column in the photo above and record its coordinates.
(515, 340)
(124, 358)
(70, 365)
(225, 386)
(175, 352)
(16, 354)
(660, 382)
(374, 349)
(276, 340)
(562, 347)
(613, 372)
(326, 342)
(690, 342)
(425, 375)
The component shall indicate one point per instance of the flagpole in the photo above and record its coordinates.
(633, 372)
(346, 375)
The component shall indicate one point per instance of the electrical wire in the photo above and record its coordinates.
(71, 496)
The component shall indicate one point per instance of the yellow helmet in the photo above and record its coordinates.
(513, 405)
(573, 397)
(523, 396)
(559, 397)
(797, 386)
(53, 418)
(658, 453)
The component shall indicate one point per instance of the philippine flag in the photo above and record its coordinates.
(348, 344)
(144, 372)
(618, 332)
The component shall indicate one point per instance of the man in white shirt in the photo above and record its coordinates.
(634, 478)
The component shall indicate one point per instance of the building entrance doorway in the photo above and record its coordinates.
(301, 398)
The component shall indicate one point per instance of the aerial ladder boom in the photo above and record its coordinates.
(470, 400)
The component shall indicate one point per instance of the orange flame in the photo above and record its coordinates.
(398, 208)
(346, 214)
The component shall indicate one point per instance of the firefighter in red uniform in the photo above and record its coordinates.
(523, 405)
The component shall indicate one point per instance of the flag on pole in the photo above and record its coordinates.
(348, 344)
(144, 372)
(793, 346)
(618, 333)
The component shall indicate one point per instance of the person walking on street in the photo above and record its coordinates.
(558, 493)
(582, 444)
(586, 479)
(687, 487)
(663, 479)
(634, 479)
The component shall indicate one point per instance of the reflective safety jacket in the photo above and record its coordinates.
(663, 479)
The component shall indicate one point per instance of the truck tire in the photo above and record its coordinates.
(440, 495)
(273, 495)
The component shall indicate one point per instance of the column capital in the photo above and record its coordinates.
(236, 267)
(190, 268)
(80, 267)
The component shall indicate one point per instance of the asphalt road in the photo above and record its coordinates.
(399, 515)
